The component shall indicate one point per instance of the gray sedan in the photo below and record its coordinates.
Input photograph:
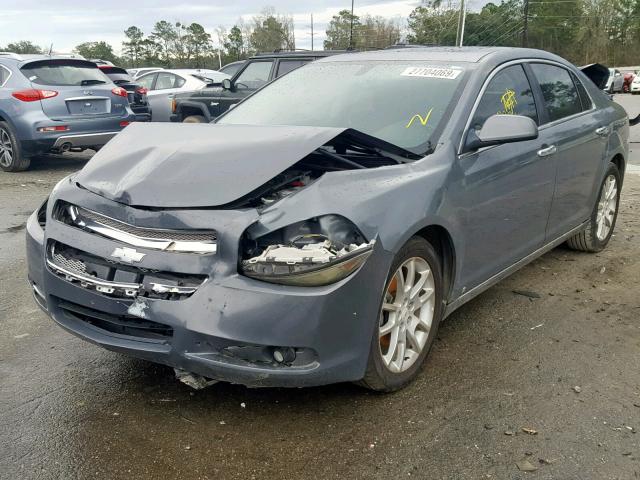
(324, 227)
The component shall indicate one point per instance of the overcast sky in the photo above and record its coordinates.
(66, 23)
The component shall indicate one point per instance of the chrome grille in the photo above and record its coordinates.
(95, 273)
(169, 240)
(158, 234)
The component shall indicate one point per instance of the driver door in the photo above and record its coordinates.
(504, 192)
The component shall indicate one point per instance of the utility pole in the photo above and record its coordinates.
(312, 32)
(461, 21)
(351, 28)
(525, 30)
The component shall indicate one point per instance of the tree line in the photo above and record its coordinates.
(583, 31)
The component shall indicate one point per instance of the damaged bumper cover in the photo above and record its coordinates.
(196, 312)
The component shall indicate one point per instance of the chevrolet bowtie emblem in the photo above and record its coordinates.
(127, 255)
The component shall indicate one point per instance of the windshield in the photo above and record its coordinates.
(402, 103)
(64, 73)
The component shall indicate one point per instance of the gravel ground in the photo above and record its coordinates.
(549, 383)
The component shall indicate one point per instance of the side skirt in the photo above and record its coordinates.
(475, 291)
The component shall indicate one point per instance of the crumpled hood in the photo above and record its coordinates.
(195, 165)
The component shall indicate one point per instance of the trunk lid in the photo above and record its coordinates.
(83, 90)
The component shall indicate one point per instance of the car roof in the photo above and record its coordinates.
(447, 54)
(299, 53)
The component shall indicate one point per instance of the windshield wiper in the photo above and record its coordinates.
(92, 81)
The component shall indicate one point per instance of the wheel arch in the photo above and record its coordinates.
(619, 161)
(186, 108)
(442, 241)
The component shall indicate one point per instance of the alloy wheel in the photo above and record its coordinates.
(6, 148)
(406, 315)
(607, 207)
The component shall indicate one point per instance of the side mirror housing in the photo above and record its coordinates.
(226, 84)
(499, 129)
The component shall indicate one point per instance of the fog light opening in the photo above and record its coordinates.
(284, 354)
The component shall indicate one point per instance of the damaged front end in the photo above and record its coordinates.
(243, 288)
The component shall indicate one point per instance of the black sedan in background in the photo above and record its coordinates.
(136, 93)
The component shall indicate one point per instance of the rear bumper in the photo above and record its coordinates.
(85, 132)
(84, 140)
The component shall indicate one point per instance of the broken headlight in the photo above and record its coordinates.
(316, 252)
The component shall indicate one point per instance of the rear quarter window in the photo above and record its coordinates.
(64, 73)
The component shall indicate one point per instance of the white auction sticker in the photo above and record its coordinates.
(448, 73)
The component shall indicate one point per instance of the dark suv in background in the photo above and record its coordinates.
(55, 104)
(206, 104)
(136, 93)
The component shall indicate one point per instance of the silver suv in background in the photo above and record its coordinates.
(50, 103)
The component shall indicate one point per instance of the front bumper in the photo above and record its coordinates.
(230, 326)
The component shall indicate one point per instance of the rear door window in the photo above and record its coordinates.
(508, 93)
(4, 75)
(147, 80)
(254, 75)
(64, 73)
(165, 81)
(285, 66)
(560, 94)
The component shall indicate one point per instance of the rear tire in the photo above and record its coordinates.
(194, 119)
(11, 156)
(407, 324)
(596, 236)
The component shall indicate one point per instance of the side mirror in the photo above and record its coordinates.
(226, 84)
(499, 129)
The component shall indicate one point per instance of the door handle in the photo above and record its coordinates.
(545, 152)
(602, 131)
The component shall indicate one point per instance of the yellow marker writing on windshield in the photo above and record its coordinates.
(423, 121)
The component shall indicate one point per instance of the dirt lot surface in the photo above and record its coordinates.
(547, 381)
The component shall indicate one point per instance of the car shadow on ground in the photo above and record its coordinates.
(59, 162)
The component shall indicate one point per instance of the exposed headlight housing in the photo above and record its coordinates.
(316, 252)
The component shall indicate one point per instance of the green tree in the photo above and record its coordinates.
(23, 47)
(132, 48)
(101, 50)
(272, 32)
(164, 35)
(434, 23)
(198, 43)
(377, 32)
(235, 43)
(339, 31)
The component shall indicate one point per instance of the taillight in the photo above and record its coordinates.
(33, 95)
(124, 123)
(121, 92)
(141, 90)
(174, 105)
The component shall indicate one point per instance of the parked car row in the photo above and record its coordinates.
(65, 102)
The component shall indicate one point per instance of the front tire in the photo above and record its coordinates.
(596, 236)
(11, 157)
(410, 312)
